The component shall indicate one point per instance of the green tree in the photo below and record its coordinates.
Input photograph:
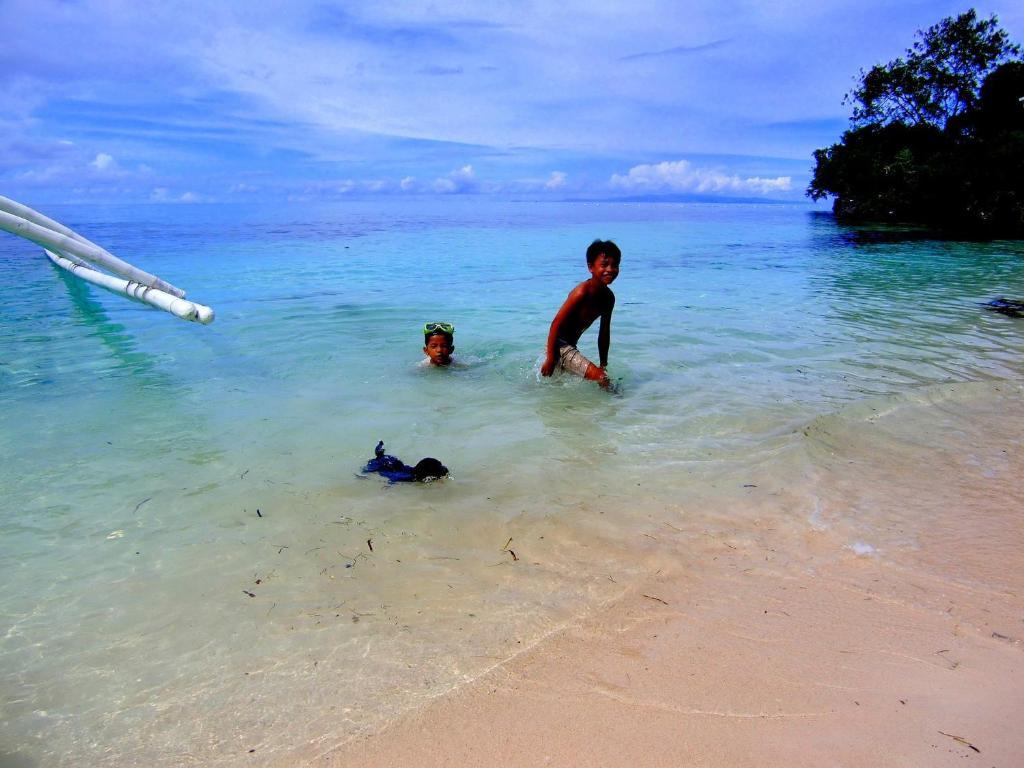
(938, 79)
(879, 172)
(936, 138)
(1001, 103)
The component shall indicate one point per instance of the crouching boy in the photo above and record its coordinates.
(588, 301)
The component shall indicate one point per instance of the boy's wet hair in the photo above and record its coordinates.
(429, 469)
(427, 335)
(607, 247)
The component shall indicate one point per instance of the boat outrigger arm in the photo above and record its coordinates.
(72, 252)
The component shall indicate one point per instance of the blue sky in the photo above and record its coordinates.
(102, 100)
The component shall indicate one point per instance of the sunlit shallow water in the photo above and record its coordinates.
(193, 567)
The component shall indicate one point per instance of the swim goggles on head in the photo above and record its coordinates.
(442, 327)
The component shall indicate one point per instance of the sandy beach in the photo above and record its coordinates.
(774, 649)
(735, 670)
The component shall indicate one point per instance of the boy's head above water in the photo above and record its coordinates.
(439, 342)
(429, 469)
(603, 257)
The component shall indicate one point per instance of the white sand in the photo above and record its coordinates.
(788, 647)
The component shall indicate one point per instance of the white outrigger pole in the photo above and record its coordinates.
(80, 257)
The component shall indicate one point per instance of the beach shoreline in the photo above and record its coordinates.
(787, 645)
(197, 573)
(739, 666)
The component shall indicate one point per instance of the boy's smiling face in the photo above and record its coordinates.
(604, 269)
(439, 349)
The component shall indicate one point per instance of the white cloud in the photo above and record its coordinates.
(523, 82)
(683, 176)
(71, 166)
(104, 162)
(666, 81)
(557, 180)
(460, 180)
(163, 195)
(41, 175)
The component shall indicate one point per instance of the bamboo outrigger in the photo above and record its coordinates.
(82, 258)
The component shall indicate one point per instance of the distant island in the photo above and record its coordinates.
(936, 137)
(680, 197)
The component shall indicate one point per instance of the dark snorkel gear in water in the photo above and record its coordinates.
(1008, 307)
(397, 471)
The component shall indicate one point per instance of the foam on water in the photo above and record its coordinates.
(152, 616)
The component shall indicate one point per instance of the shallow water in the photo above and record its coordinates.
(151, 615)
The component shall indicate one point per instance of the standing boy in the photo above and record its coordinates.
(586, 302)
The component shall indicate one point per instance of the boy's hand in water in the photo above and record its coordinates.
(549, 367)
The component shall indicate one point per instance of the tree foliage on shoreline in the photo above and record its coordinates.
(936, 137)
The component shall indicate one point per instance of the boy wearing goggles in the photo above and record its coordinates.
(586, 302)
(438, 343)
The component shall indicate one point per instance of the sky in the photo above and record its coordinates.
(188, 102)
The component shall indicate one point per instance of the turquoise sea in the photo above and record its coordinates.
(195, 573)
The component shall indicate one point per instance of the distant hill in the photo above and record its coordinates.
(679, 198)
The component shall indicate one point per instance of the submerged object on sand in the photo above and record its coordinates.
(397, 471)
(1008, 307)
(84, 259)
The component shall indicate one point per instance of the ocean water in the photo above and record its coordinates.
(194, 571)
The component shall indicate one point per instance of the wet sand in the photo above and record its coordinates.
(785, 672)
(741, 668)
(786, 647)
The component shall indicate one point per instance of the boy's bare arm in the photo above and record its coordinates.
(604, 333)
(567, 309)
